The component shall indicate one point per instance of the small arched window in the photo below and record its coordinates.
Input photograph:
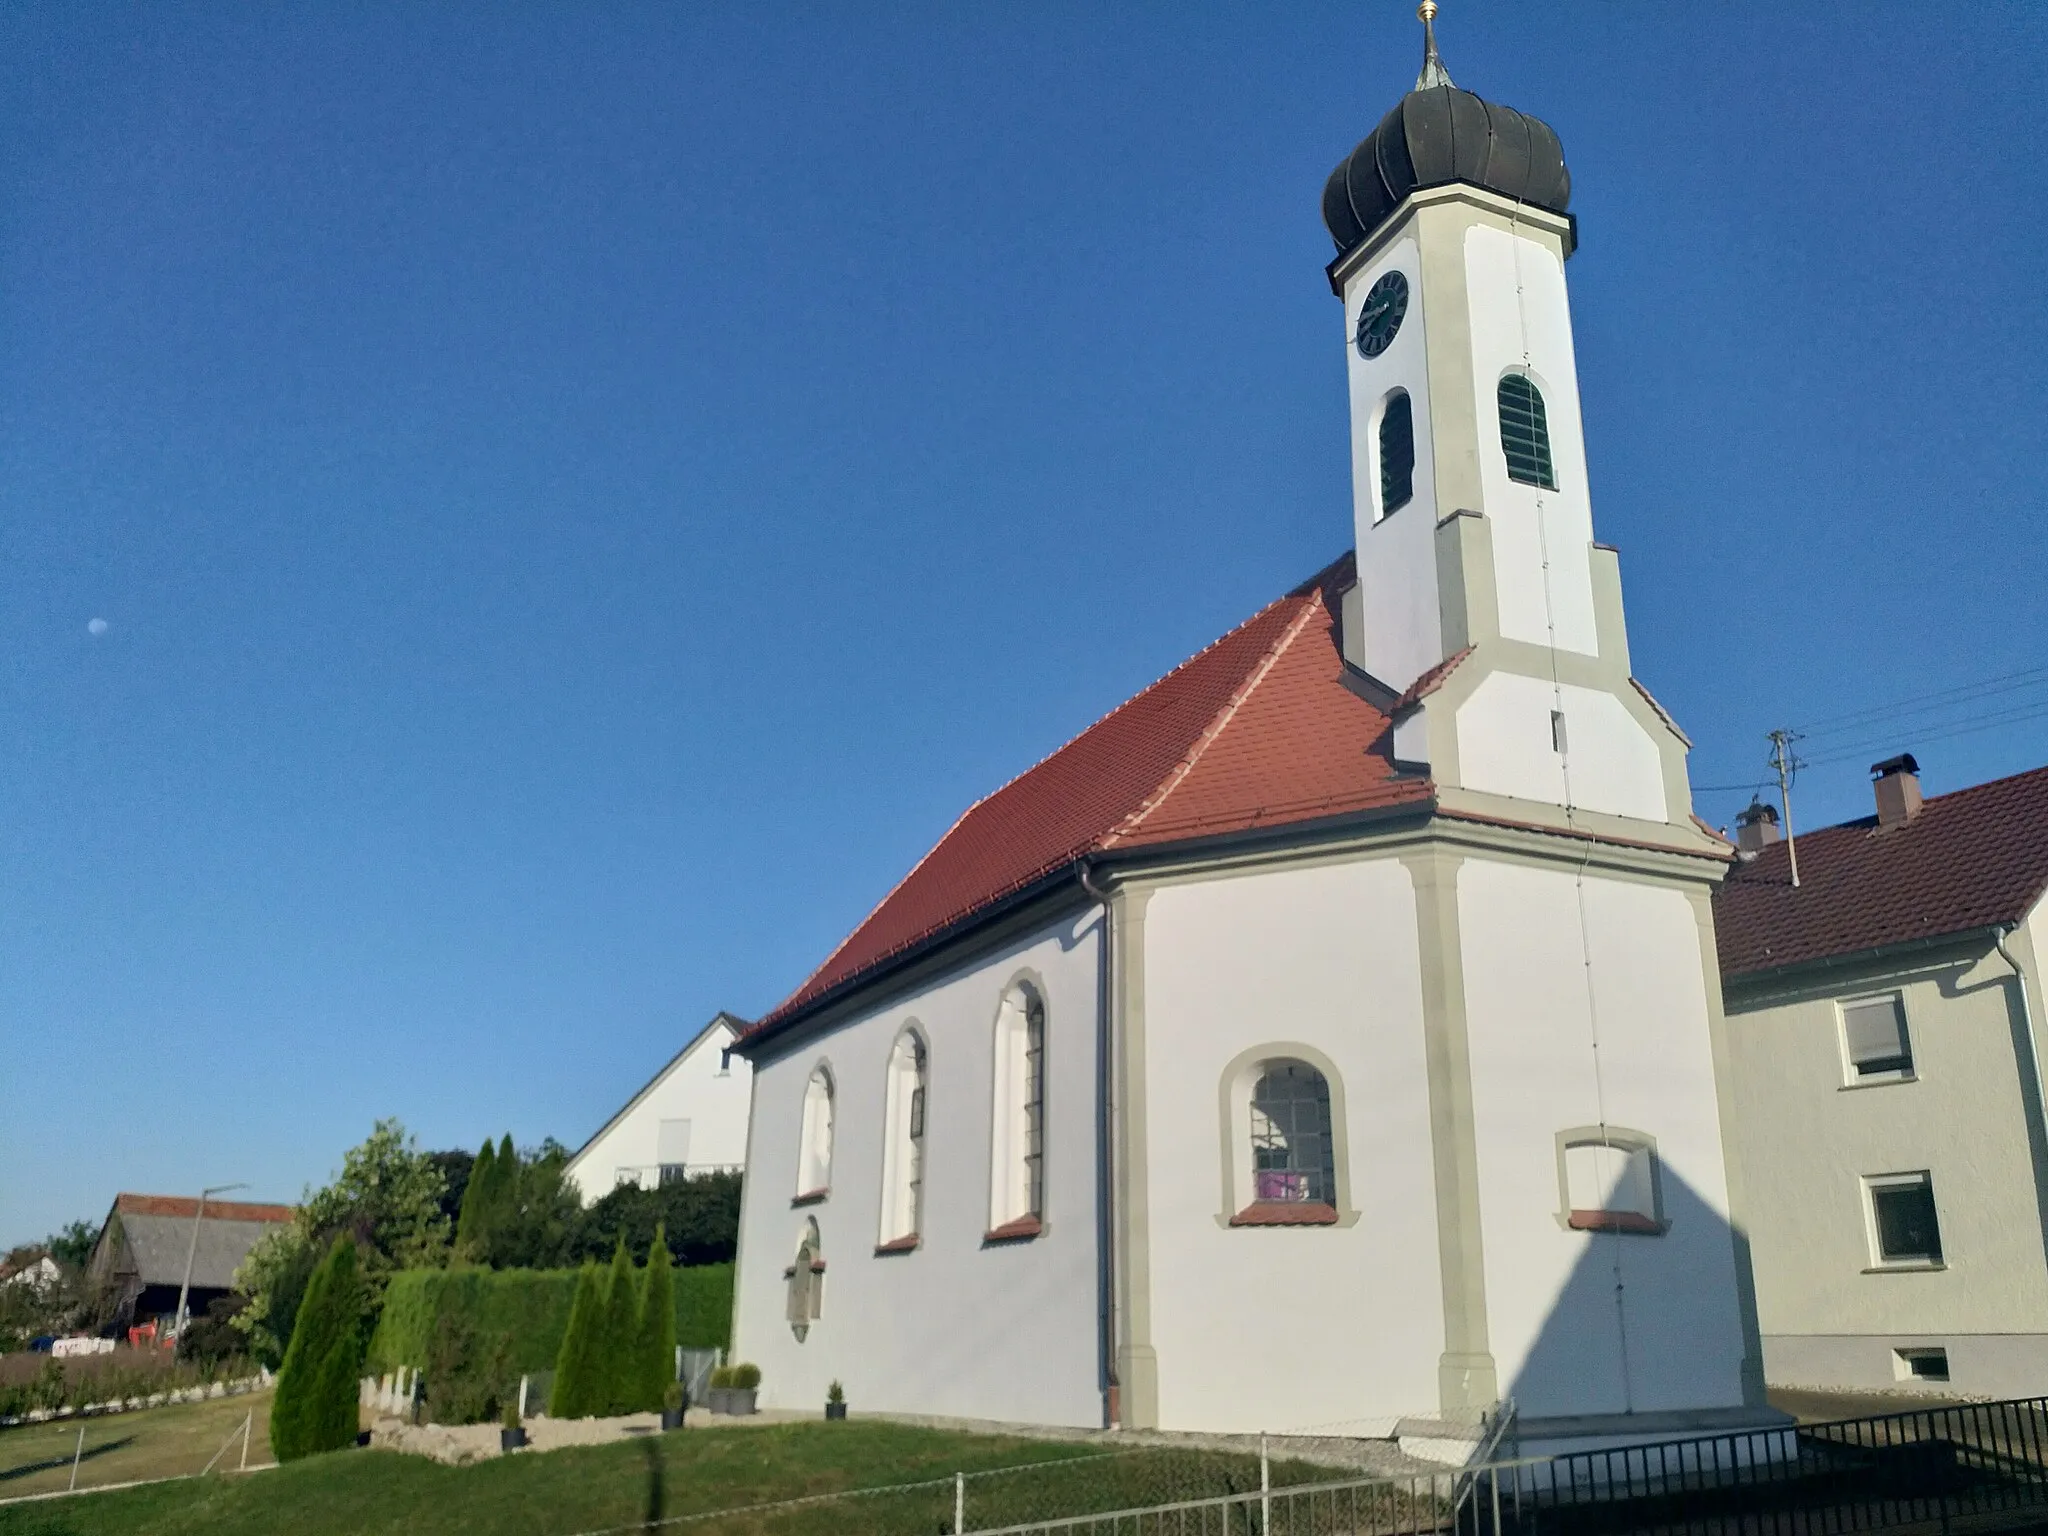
(903, 1156)
(805, 1300)
(814, 1156)
(1293, 1161)
(1017, 1150)
(1525, 432)
(1397, 452)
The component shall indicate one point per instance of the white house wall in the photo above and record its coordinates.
(710, 1094)
(1272, 1327)
(1555, 1330)
(956, 1327)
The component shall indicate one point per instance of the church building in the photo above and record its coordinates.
(1331, 1035)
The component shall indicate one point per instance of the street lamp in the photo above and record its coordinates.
(192, 1253)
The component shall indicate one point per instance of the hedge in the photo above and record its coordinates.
(529, 1310)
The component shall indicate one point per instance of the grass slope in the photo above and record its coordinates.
(127, 1447)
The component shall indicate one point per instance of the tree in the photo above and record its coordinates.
(518, 1209)
(657, 1351)
(454, 1166)
(700, 1215)
(479, 1206)
(315, 1406)
(619, 1370)
(571, 1395)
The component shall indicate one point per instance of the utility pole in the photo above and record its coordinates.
(192, 1252)
(1786, 764)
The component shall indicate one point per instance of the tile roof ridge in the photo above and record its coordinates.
(1221, 720)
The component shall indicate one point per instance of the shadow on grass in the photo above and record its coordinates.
(29, 1469)
(657, 1504)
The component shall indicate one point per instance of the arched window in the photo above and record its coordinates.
(805, 1301)
(1397, 452)
(1525, 432)
(903, 1154)
(814, 1156)
(1293, 1161)
(1017, 1145)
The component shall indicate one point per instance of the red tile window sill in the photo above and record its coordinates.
(897, 1245)
(810, 1197)
(1612, 1221)
(1286, 1213)
(1020, 1230)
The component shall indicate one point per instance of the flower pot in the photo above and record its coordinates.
(512, 1438)
(732, 1399)
(835, 1410)
(671, 1418)
(362, 1437)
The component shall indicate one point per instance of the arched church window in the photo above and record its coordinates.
(1525, 432)
(805, 1298)
(1017, 1146)
(1397, 452)
(814, 1155)
(1293, 1160)
(903, 1154)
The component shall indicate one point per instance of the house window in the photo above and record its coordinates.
(1293, 1161)
(674, 1173)
(805, 1297)
(1397, 452)
(1525, 432)
(903, 1154)
(1017, 1145)
(1920, 1364)
(1609, 1179)
(1903, 1227)
(1874, 1035)
(814, 1156)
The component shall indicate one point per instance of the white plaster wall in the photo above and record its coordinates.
(955, 1327)
(714, 1101)
(1810, 1134)
(1521, 317)
(1505, 747)
(1274, 1328)
(1396, 554)
(1559, 1341)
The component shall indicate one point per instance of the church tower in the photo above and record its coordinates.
(1483, 600)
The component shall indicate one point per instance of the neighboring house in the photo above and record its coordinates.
(1328, 1034)
(148, 1240)
(691, 1118)
(1884, 1023)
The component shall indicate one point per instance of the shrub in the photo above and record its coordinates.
(574, 1358)
(466, 1373)
(656, 1355)
(746, 1377)
(315, 1406)
(617, 1350)
(835, 1393)
(470, 1229)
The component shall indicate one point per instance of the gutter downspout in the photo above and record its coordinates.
(2026, 1022)
(1105, 1140)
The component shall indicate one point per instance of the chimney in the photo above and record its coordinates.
(1756, 828)
(1898, 790)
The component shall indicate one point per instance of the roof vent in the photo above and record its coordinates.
(1756, 828)
(1898, 790)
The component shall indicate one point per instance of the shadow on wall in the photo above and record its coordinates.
(1647, 1320)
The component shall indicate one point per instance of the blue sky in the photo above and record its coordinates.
(580, 497)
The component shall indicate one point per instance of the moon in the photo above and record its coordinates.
(96, 627)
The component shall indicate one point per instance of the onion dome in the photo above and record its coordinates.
(1440, 134)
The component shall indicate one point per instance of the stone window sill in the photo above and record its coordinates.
(1023, 1229)
(1286, 1213)
(1614, 1221)
(811, 1197)
(1905, 1267)
(1881, 1080)
(897, 1245)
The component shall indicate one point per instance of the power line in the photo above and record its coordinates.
(1930, 703)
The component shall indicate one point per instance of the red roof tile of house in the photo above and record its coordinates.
(1258, 730)
(1972, 859)
(188, 1205)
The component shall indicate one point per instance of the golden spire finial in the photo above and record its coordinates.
(1433, 71)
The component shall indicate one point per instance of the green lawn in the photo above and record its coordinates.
(128, 1447)
(625, 1485)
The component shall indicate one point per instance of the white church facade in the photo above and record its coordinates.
(1331, 1035)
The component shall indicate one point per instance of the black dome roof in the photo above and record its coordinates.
(1441, 134)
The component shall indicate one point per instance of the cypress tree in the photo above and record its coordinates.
(471, 1241)
(315, 1406)
(618, 1372)
(657, 1352)
(570, 1396)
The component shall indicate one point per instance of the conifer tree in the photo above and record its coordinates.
(470, 1239)
(657, 1351)
(619, 1369)
(571, 1395)
(315, 1406)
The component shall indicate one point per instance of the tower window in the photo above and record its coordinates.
(1397, 452)
(1525, 432)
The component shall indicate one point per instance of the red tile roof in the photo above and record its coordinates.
(1973, 859)
(188, 1205)
(1258, 730)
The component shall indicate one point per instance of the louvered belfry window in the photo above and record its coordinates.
(1397, 453)
(1525, 432)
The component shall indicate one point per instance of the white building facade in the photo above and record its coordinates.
(1330, 1037)
(691, 1118)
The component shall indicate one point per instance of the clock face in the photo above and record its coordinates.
(1380, 316)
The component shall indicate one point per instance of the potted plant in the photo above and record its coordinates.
(835, 1401)
(732, 1388)
(675, 1401)
(511, 1433)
